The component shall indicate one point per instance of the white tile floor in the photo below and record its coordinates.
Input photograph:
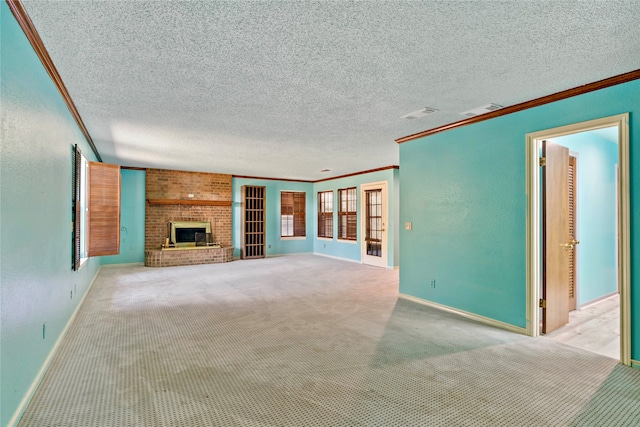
(595, 328)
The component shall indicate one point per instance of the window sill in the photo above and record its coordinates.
(83, 261)
(326, 239)
(293, 238)
(348, 241)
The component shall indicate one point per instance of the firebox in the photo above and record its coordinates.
(183, 233)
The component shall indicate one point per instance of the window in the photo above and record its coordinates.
(347, 215)
(79, 209)
(292, 214)
(325, 214)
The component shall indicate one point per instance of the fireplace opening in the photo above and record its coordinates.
(188, 234)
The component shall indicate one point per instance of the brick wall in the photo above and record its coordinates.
(170, 184)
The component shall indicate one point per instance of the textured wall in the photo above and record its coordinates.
(465, 198)
(169, 184)
(132, 218)
(38, 290)
(464, 190)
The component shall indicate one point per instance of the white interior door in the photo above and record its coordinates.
(374, 222)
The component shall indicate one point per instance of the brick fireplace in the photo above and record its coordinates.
(190, 197)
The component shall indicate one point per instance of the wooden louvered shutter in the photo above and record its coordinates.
(103, 225)
(572, 231)
(77, 179)
(299, 214)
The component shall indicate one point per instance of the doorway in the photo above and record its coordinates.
(549, 261)
(374, 207)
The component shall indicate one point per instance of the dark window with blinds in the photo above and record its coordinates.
(347, 214)
(78, 212)
(292, 214)
(325, 214)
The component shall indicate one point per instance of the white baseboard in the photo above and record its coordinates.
(36, 382)
(121, 265)
(239, 258)
(357, 261)
(338, 258)
(597, 300)
(635, 364)
(291, 254)
(468, 315)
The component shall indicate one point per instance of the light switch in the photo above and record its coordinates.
(408, 225)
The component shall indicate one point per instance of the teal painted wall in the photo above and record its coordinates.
(275, 244)
(466, 201)
(132, 217)
(37, 285)
(464, 190)
(349, 250)
(396, 218)
(596, 179)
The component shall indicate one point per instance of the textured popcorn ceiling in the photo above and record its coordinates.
(285, 89)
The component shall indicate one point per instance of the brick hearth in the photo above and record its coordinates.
(187, 256)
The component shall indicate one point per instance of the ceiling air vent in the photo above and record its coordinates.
(420, 113)
(481, 110)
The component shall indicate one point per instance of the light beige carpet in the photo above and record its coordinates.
(309, 341)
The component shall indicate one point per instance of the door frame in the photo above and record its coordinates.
(534, 278)
(576, 229)
(384, 259)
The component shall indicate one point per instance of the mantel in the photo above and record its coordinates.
(192, 202)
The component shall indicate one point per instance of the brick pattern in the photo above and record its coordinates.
(170, 184)
(160, 258)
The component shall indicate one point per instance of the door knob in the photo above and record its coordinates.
(574, 242)
(568, 246)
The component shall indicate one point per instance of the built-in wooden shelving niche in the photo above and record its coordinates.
(253, 222)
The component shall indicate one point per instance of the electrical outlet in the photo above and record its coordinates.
(408, 225)
(433, 283)
(43, 330)
(70, 294)
(269, 246)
